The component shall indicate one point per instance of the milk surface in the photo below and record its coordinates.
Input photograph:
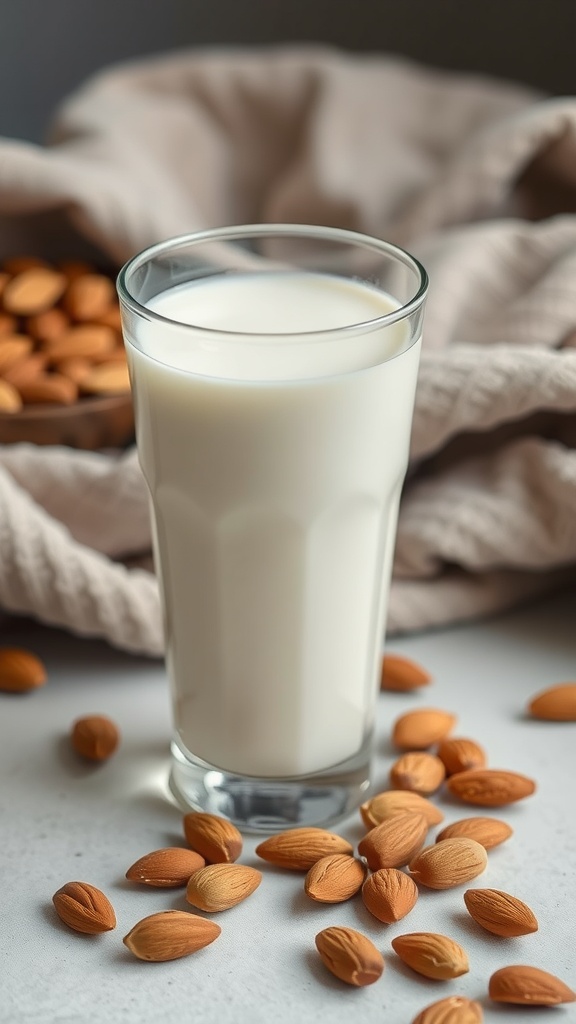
(275, 467)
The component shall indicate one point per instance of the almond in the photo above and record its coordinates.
(49, 388)
(95, 737)
(33, 290)
(20, 671)
(75, 268)
(10, 400)
(8, 324)
(490, 787)
(488, 832)
(18, 264)
(528, 986)
(433, 955)
(418, 771)
(449, 863)
(84, 908)
(216, 838)
(500, 913)
(88, 340)
(334, 878)
(25, 371)
(401, 674)
(452, 1010)
(416, 730)
(169, 935)
(48, 326)
(556, 704)
(112, 318)
(75, 367)
(397, 801)
(389, 894)
(460, 754)
(299, 848)
(13, 348)
(107, 379)
(88, 296)
(166, 868)
(350, 956)
(221, 886)
(394, 842)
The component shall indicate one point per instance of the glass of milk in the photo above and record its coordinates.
(273, 370)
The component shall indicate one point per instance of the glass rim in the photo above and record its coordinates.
(236, 232)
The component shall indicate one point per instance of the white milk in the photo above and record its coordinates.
(275, 469)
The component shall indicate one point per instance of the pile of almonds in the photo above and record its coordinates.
(392, 862)
(60, 334)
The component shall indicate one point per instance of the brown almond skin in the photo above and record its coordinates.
(49, 389)
(299, 848)
(395, 801)
(13, 348)
(394, 842)
(449, 863)
(556, 704)
(350, 956)
(170, 935)
(431, 954)
(500, 913)
(167, 868)
(20, 670)
(84, 908)
(88, 296)
(95, 737)
(489, 832)
(33, 290)
(528, 986)
(418, 771)
(400, 674)
(48, 326)
(335, 878)
(26, 371)
(389, 894)
(107, 379)
(490, 787)
(452, 1010)
(459, 754)
(219, 887)
(87, 340)
(216, 838)
(10, 400)
(18, 264)
(417, 730)
(8, 324)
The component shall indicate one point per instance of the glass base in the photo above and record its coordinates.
(273, 804)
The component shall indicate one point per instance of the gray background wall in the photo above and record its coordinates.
(47, 47)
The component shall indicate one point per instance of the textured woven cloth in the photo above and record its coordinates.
(477, 178)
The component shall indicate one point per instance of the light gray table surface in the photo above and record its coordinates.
(61, 820)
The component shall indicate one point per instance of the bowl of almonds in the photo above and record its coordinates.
(63, 371)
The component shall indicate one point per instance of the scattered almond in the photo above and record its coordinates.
(26, 370)
(50, 388)
(416, 730)
(10, 400)
(334, 878)
(460, 754)
(418, 771)
(75, 367)
(86, 340)
(8, 324)
(528, 986)
(216, 838)
(221, 886)
(166, 868)
(170, 935)
(433, 955)
(452, 1010)
(95, 737)
(299, 848)
(350, 956)
(48, 326)
(394, 842)
(490, 787)
(556, 704)
(13, 348)
(397, 801)
(402, 674)
(84, 908)
(488, 832)
(389, 894)
(107, 379)
(88, 296)
(74, 268)
(500, 913)
(20, 670)
(33, 290)
(449, 863)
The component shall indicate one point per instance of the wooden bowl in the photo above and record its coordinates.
(90, 423)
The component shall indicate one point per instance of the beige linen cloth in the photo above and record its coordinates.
(477, 178)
